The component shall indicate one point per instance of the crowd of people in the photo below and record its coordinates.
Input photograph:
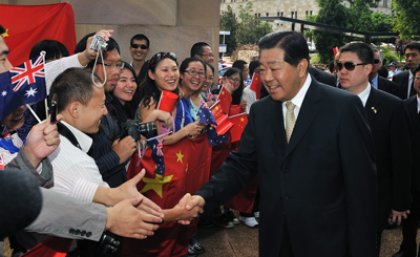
(130, 153)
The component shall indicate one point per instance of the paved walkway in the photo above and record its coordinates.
(242, 241)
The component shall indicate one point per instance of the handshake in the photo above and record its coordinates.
(139, 217)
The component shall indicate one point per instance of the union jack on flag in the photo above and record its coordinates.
(23, 84)
(28, 72)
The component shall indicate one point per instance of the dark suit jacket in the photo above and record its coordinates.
(389, 125)
(321, 186)
(401, 79)
(411, 108)
(323, 77)
(388, 86)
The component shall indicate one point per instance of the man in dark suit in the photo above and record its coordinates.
(379, 82)
(389, 126)
(314, 161)
(409, 230)
(405, 79)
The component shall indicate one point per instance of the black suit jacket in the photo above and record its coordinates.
(388, 86)
(321, 186)
(389, 125)
(411, 108)
(401, 79)
(323, 77)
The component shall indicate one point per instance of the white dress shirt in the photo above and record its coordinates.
(75, 172)
(364, 95)
(55, 68)
(298, 99)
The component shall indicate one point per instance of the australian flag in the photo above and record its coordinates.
(206, 117)
(157, 155)
(23, 84)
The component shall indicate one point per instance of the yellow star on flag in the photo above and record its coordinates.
(156, 184)
(179, 157)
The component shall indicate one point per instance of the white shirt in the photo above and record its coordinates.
(55, 68)
(364, 95)
(249, 97)
(418, 104)
(410, 83)
(298, 99)
(75, 172)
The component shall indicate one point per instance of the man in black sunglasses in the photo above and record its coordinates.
(390, 132)
(139, 49)
(380, 82)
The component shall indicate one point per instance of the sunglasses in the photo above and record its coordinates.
(376, 61)
(348, 65)
(141, 46)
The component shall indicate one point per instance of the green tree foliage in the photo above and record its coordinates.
(331, 12)
(250, 29)
(357, 16)
(407, 21)
(229, 22)
(246, 30)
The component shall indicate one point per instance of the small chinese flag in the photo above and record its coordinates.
(222, 120)
(167, 101)
(225, 100)
(256, 85)
(335, 51)
(239, 122)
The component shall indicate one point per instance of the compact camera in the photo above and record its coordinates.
(98, 42)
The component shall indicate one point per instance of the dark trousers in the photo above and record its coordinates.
(409, 227)
(286, 246)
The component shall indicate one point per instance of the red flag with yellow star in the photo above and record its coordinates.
(199, 162)
(256, 85)
(239, 121)
(225, 100)
(171, 239)
(28, 24)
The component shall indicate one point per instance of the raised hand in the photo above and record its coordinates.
(41, 141)
(124, 148)
(129, 190)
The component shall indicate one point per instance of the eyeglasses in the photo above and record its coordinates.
(141, 46)
(348, 65)
(376, 61)
(118, 65)
(195, 73)
(236, 80)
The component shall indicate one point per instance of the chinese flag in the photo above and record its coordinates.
(239, 121)
(225, 99)
(222, 120)
(51, 247)
(256, 85)
(171, 239)
(199, 162)
(26, 25)
(167, 101)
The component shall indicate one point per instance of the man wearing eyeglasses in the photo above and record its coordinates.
(405, 79)
(390, 132)
(379, 82)
(139, 48)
